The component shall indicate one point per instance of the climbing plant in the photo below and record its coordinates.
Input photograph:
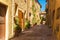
(34, 11)
(17, 28)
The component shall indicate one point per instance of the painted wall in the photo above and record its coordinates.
(22, 6)
(53, 5)
(57, 20)
(8, 18)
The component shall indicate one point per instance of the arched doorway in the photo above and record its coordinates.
(3, 9)
(21, 19)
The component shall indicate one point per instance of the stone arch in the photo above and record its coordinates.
(3, 10)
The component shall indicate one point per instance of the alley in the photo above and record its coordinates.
(41, 32)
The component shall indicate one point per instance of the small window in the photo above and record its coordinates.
(57, 29)
(25, 1)
(29, 14)
(58, 13)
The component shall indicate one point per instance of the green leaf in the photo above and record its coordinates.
(32, 0)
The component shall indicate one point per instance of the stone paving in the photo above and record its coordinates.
(41, 32)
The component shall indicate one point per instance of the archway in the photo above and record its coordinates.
(3, 9)
(21, 19)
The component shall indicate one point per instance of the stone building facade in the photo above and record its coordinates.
(11, 9)
(38, 11)
(53, 14)
(33, 8)
(5, 19)
(21, 11)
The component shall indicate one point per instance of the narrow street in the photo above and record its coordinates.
(41, 32)
(29, 19)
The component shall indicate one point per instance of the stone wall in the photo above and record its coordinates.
(8, 17)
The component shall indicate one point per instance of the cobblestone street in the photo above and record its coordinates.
(41, 32)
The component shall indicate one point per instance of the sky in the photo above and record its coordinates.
(43, 3)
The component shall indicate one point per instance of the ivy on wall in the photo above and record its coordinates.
(33, 10)
(33, 7)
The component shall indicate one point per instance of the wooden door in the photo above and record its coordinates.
(2, 27)
(20, 15)
(2, 21)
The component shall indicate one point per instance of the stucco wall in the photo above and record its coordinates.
(53, 6)
(8, 18)
(21, 5)
(58, 20)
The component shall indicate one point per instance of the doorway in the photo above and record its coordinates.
(21, 19)
(3, 9)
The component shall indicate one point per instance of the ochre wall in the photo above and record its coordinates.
(8, 17)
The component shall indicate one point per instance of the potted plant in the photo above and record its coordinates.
(17, 28)
(27, 24)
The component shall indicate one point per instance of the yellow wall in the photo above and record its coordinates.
(38, 11)
(8, 18)
(57, 20)
(22, 6)
(54, 5)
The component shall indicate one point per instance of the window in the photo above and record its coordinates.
(58, 13)
(57, 29)
(25, 1)
(29, 14)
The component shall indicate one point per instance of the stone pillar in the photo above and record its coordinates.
(13, 12)
(27, 10)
